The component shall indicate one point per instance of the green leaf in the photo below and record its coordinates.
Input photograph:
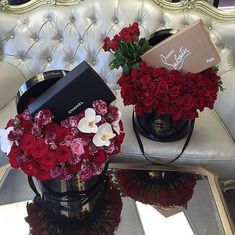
(135, 66)
(126, 68)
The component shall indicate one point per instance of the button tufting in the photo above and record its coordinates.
(49, 18)
(210, 27)
(81, 41)
(36, 39)
(94, 62)
(72, 19)
(116, 21)
(61, 39)
(12, 36)
(94, 20)
(71, 61)
(48, 59)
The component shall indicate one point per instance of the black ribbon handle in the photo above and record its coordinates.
(190, 132)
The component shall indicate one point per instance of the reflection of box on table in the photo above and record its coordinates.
(191, 49)
(167, 212)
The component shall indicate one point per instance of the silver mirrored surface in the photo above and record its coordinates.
(201, 215)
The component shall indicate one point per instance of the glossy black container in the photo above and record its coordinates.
(157, 127)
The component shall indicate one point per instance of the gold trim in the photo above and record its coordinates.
(24, 8)
(183, 6)
(3, 170)
(199, 6)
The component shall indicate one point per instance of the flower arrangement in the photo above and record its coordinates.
(166, 189)
(107, 220)
(80, 144)
(156, 89)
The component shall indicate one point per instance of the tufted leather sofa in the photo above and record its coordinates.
(40, 36)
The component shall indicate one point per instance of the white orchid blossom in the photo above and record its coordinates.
(103, 135)
(88, 123)
(115, 124)
(5, 144)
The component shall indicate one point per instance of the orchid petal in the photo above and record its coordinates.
(88, 123)
(97, 118)
(90, 113)
(103, 135)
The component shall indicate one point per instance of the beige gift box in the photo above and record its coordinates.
(189, 50)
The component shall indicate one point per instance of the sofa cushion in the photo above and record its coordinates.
(210, 143)
(11, 79)
(9, 111)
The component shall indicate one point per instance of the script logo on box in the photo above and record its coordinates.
(174, 59)
(75, 107)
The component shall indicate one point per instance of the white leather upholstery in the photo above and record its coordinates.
(61, 37)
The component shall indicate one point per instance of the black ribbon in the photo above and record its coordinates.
(190, 132)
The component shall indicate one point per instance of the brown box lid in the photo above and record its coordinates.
(189, 50)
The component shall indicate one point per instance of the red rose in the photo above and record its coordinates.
(27, 142)
(106, 44)
(114, 45)
(148, 100)
(10, 123)
(177, 115)
(43, 175)
(188, 102)
(61, 133)
(86, 154)
(63, 153)
(174, 91)
(26, 124)
(100, 157)
(13, 154)
(48, 161)
(162, 87)
(29, 167)
(164, 198)
(160, 72)
(189, 182)
(39, 148)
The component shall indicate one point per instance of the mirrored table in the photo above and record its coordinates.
(206, 212)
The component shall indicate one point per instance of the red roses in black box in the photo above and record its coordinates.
(156, 89)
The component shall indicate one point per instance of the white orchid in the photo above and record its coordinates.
(103, 135)
(5, 144)
(115, 124)
(88, 123)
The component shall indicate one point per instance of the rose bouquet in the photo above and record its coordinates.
(165, 189)
(80, 144)
(156, 89)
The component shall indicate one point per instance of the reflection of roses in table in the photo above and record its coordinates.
(80, 144)
(166, 189)
(107, 210)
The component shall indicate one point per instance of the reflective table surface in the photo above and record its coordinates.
(205, 213)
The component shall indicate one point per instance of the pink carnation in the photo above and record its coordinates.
(26, 115)
(112, 114)
(43, 117)
(86, 173)
(36, 130)
(100, 107)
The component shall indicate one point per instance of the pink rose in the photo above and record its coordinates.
(77, 146)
